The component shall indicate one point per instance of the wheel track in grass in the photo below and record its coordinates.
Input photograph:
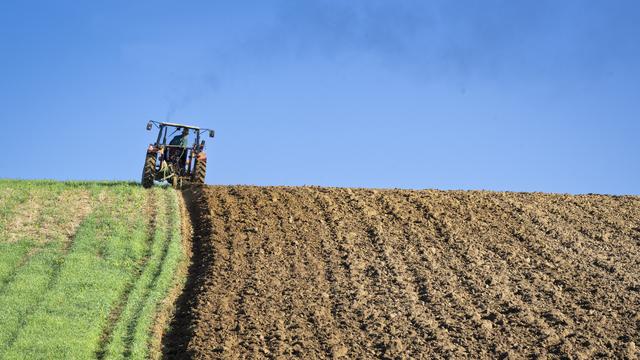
(170, 223)
(167, 306)
(28, 253)
(82, 209)
(114, 315)
(51, 282)
(132, 334)
(51, 299)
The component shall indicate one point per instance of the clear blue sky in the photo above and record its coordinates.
(498, 95)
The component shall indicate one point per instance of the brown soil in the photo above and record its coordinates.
(326, 273)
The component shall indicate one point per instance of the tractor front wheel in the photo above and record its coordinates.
(149, 171)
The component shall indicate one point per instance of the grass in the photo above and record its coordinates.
(131, 333)
(89, 284)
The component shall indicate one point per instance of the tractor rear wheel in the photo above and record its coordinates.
(200, 172)
(149, 171)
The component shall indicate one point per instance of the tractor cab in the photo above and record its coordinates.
(177, 156)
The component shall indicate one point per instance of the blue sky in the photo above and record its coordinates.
(498, 95)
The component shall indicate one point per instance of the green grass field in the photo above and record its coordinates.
(84, 268)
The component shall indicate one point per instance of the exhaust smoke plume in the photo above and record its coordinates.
(183, 96)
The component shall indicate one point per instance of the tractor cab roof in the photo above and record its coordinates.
(176, 125)
(179, 125)
(198, 130)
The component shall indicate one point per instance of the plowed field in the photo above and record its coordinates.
(319, 273)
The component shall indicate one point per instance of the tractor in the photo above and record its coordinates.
(175, 161)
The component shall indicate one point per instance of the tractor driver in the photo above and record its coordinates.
(180, 155)
(182, 139)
